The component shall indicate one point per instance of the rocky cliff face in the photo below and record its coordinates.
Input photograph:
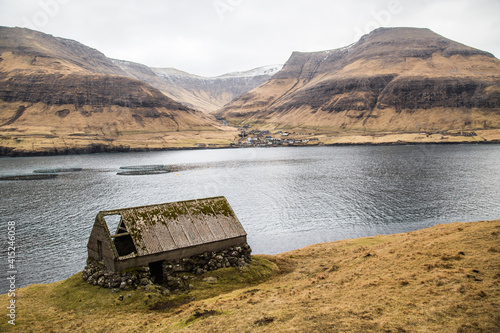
(206, 94)
(393, 79)
(82, 90)
(55, 87)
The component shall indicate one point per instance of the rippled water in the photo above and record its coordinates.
(285, 198)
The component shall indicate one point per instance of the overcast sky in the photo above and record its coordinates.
(212, 37)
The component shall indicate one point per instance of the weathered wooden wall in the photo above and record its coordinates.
(100, 233)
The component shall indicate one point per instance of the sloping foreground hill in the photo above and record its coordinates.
(441, 279)
(59, 94)
(391, 80)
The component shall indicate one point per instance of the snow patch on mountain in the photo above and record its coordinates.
(269, 70)
(259, 71)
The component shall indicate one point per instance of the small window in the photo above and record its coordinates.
(99, 250)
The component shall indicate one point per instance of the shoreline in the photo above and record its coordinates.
(101, 148)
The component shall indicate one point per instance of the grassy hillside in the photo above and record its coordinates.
(445, 278)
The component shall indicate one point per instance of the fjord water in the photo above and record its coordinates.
(285, 198)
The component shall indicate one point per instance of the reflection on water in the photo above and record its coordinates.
(285, 198)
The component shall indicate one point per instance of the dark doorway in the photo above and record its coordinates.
(156, 270)
(99, 250)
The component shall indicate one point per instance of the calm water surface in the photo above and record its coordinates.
(285, 198)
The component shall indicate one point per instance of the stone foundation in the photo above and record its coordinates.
(176, 273)
(94, 273)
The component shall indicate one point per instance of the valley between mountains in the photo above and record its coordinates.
(395, 85)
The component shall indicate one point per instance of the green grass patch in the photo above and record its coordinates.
(75, 295)
(228, 279)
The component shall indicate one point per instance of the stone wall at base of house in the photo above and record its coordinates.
(95, 274)
(176, 272)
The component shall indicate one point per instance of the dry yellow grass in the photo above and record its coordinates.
(45, 140)
(445, 278)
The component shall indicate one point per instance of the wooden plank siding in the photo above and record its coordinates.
(165, 236)
(204, 230)
(177, 232)
(215, 227)
(227, 225)
(190, 230)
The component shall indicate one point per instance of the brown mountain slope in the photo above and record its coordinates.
(206, 94)
(60, 90)
(393, 79)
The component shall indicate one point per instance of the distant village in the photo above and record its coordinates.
(249, 137)
(257, 138)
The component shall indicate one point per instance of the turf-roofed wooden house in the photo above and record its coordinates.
(152, 235)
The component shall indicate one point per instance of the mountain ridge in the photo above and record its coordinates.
(206, 94)
(350, 88)
(57, 93)
(23, 41)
